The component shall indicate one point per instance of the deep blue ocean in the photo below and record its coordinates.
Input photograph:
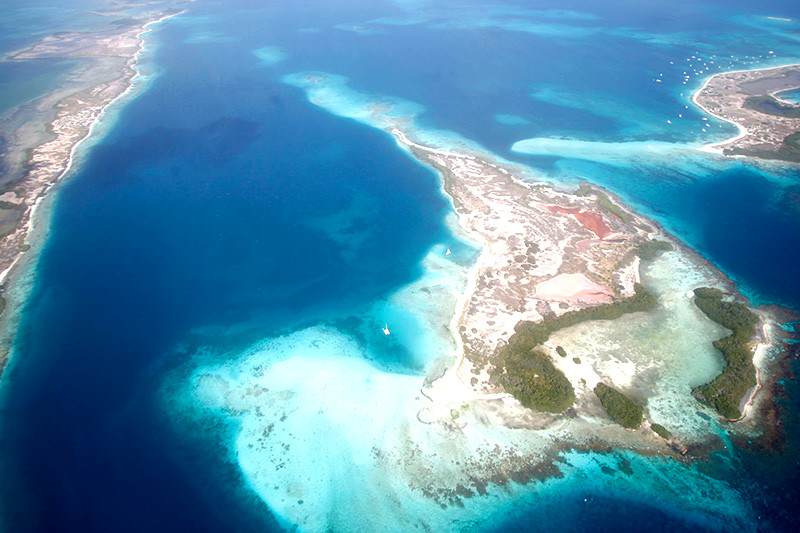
(199, 211)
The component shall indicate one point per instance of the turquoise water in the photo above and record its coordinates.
(791, 96)
(227, 209)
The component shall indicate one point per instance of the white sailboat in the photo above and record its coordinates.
(386, 329)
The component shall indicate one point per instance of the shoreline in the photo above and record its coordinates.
(717, 148)
(22, 233)
(132, 64)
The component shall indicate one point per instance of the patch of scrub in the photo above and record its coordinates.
(511, 120)
(270, 55)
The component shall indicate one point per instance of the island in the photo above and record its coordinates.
(40, 137)
(622, 410)
(551, 260)
(769, 127)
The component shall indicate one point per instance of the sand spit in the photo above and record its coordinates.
(728, 96)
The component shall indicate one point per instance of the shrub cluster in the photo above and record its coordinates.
(619, 407)
(661, 431)
(528, 335)
(537, 383)
(649, 250)
(726, 390)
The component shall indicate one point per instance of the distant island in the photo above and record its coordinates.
(41, 136)
(769, 127)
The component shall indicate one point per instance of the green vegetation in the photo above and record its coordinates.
(726, 390)
(528, 335)
(603, 201)
(536, 383)
(619, 407)
(649, 250)
(788, 150)
(661, 431)
(576, 360)
(530, 376)
(561, 351)
(10, 216)
(770, 105)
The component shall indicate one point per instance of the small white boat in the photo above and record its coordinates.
(386, 329)
(448, 253)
